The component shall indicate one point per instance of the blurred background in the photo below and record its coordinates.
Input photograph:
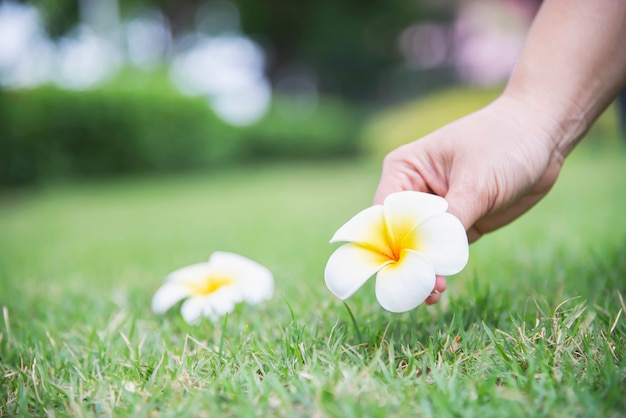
(99, 88)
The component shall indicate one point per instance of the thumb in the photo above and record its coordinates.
(467, 205)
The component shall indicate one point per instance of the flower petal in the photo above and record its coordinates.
(254, 281)
(403, 211)
(193, 308)
(366, 227)
(404, 285)
(221, 302)
(167, 296)
(443, 241)
(350, 266)
(193, 273)
(213, 306)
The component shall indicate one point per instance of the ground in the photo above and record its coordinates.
(534, 326)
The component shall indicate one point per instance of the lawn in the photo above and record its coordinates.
(534, 326)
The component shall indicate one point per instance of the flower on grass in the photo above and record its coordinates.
(213, 288)
(407, 241)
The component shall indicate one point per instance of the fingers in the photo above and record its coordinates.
(440, 287)
(432, 299)
(399, 174)
(390, 181)
(382, 192)
(440, 284)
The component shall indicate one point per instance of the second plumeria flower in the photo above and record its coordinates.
(406, 242)
(213, 288)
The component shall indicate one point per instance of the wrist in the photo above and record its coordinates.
(556, 121)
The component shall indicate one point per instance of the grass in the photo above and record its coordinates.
(534, 326)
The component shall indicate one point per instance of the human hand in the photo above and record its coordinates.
(495, 164)
(491, 167)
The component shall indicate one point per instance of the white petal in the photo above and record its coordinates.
(349, 267)
(404, 285)
(193, 308)
(221, 302)
(255, 282)
(366, 227)
(193, 273)
(213, 306)
(403, 211)
(167, 296)
(443, 241)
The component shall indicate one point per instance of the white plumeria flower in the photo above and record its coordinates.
(407, 241)
(213, 288)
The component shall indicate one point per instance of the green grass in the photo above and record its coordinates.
(534, 326)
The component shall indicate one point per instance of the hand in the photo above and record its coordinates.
(495, 164)
(491, 166)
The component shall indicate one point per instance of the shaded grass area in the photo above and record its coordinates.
(534, 326)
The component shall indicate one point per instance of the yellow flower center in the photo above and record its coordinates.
(404, 237)
(209, 285)
(394, 251)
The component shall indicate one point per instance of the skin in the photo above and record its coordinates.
(495, 164)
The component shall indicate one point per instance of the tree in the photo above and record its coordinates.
(349, 43)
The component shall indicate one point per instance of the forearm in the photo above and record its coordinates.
(572, 66)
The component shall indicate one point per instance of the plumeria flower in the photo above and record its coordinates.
(406, 242)
(213, 288)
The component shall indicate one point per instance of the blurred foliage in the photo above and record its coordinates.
(347, 44)
(59, 16)
(607, 127)
(412, 120)
(332, 129)
(53, 133)
(49, 133)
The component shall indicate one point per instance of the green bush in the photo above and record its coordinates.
(328, 129)
(48, 133)
(53, 133)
